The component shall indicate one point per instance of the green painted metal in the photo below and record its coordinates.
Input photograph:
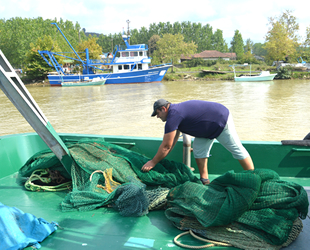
(15, 90)
(104, 228)
(289, 161)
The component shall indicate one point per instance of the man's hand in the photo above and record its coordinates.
(148, 166)
(164, 149)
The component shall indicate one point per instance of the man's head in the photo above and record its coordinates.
(161, 109)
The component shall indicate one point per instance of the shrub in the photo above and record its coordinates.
(283, 73)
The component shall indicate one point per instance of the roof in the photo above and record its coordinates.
(211, 54)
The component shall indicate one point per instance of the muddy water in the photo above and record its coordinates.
(269, 111)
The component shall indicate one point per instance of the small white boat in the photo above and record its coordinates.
(263, 76)
(92, 82)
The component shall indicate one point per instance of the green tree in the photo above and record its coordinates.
(153, 43)
(17, 34)
(307, 40)
(108, 43)
(258, 49)
(171, 47)
(237, 45)
(278, 43)
(248, 46)
(289, 22)
(94, 49)
(247, 57)
(218, 42)
(35, 65)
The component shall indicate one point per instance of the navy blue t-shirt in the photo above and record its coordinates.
(197, 118)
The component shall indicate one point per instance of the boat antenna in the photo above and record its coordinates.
(128, 33)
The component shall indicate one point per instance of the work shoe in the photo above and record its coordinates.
(205, 181)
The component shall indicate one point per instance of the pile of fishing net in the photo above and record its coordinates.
(253, 205)
(108, 174)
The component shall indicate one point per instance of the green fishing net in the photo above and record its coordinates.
(106, 174)
(256, 201)
(92, 158)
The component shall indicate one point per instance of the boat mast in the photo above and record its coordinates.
(128, 33)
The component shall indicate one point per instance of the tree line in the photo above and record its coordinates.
(17, 34)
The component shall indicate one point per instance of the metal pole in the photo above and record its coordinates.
(68, 42)
(18, 94)
(128, 33)
(187, 146)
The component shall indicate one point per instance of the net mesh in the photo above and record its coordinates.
(232, 234)
(257, 200)
(256, 203)
(102, 172)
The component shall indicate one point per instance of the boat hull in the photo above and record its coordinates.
(289, 161)
(139, 76)
(255, 78)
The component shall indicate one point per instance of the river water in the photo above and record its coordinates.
(268, 111)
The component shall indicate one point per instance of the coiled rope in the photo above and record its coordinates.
(212, 243)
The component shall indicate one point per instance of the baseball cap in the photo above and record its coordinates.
(158, 104)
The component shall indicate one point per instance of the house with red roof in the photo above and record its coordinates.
(211, 55)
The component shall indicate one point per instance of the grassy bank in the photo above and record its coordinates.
(196, 73)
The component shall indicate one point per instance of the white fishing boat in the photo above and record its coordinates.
(262, 76)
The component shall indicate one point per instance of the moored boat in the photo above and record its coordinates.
(93, 82)
(129, 64)
(263, 76)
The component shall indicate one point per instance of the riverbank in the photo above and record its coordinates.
(223, 76)
(200, 74)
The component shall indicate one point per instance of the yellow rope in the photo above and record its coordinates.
(29, 185)
(213, 243)
(110, 184)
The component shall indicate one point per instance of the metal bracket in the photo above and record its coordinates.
(15, 90)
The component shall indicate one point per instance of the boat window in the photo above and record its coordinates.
(126, 66)
(133, 53)
(125, 54)
(139, 66)
(120, 67)
(133, 66)
(141, 53)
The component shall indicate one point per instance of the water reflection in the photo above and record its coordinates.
(269, 111)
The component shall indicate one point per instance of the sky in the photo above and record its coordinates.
(102, 16)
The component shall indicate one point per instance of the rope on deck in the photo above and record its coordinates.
(213, 243)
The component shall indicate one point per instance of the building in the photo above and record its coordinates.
(211, 55)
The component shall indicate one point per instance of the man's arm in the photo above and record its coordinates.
(163, 150)
(176, 138)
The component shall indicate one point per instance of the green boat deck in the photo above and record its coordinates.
(104, 228)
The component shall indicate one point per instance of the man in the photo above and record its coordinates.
(205, 121)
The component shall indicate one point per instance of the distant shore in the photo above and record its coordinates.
(199, 76)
